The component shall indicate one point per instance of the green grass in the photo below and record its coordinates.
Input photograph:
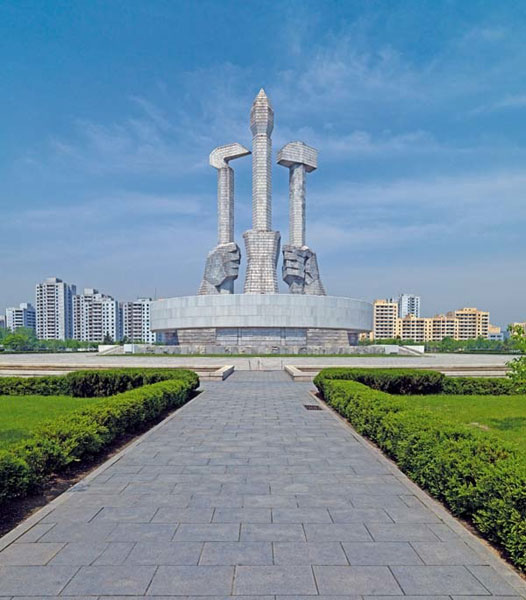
(503, 415)
(19, 415)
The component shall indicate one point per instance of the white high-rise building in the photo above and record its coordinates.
(23, 315)
(54, 307)
(2, 322)
(408, 304)
(96, 317)
(136, 321)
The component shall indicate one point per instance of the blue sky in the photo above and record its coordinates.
(109, 109)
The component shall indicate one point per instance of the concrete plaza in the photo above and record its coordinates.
(244, 492)
(90, 360)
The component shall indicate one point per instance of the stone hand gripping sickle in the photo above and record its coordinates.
(222, 263)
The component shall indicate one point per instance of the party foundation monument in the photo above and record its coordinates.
(261, 319)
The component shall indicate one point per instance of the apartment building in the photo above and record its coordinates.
(385, 319)
(23, 315)
(495, 333)
(472, 323)
(444, 326)
(54, 309)
(416, 329)
(136, 321)
(408, 304)
(96, 317)
(462, 324)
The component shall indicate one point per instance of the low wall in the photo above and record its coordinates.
(197, 349)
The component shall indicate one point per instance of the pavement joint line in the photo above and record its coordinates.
(505, 569)
(11, 536)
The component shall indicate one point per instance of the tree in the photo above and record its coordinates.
(518, 365)
(107, 339)
(22, 339)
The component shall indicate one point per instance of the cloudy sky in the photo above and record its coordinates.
(108, 111)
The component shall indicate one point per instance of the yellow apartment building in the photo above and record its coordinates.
(385, 319)
(416, 329)
(462, 324)
(472, 323)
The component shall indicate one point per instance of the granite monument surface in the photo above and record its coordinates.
(261, 318)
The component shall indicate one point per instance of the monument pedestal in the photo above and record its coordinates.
(260, 322)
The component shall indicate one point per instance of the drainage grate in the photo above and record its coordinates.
(313, 407)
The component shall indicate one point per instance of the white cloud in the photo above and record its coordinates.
(508, 102)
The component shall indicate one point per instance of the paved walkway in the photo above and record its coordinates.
(244, 492)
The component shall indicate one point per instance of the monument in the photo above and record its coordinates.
(261, 319)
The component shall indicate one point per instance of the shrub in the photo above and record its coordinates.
(14, 476)
(34, 386)
(393, 381)
(479, 477)
(417, 382)
(89, 384)
(84, 433)
(480, 386)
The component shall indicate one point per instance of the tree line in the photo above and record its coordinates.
(24, 339)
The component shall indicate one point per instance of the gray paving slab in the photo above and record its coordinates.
(29, 554)
(188, 581)
(361, 580)
(125, 514)
(272, 532)
(237, 553)
(165, 553)
(110, 580)
(137, 532)
(448, 553)
(240, 515)
(213, 532)
(438, 580)
(256, 581)
(78, 532)
(77, 553)
(491, 580)
(337, 532)
(381, 553)
(309, 553)
(244, 493)
(175, 514)
(34, 581)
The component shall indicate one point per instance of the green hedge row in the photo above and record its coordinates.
(90, 384)
(478, 386)
(418, 382)
(83, 434)
(479, 477)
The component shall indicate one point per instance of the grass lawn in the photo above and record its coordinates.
(19, 415)
(503, 415)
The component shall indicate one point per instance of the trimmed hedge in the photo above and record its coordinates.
(90, 384)
(83, 434)
(419, 382)
(393, 381)
(478, 386)
(478, 476)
